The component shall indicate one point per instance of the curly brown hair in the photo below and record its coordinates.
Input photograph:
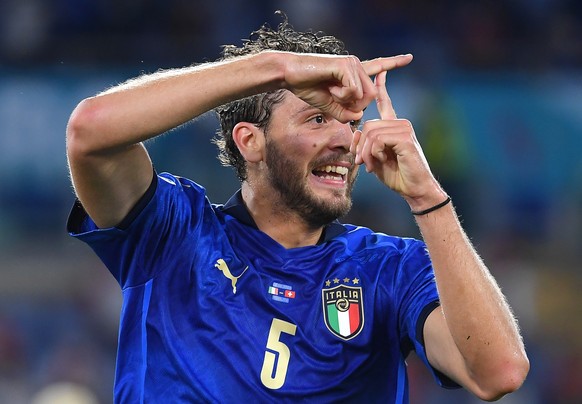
(257, 108)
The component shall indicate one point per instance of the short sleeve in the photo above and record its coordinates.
(417, 295)
(144, 242)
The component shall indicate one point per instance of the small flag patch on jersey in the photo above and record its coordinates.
(273, 290)
(281, 293)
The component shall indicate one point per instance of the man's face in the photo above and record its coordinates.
(308, 161)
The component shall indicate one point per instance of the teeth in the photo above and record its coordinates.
(335, 169)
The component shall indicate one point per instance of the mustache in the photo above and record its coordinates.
(336, 157)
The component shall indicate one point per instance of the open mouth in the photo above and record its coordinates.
(331, 172)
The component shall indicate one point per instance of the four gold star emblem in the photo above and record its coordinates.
(346, 280)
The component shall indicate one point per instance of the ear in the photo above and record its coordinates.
(250, 141)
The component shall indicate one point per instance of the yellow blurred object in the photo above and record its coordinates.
(65, 393)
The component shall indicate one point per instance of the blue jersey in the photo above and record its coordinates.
(214, 310)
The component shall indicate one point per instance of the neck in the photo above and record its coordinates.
(272, 218)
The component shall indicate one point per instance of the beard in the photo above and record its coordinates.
(284, 176)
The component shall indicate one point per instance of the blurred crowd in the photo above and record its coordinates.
(494, 93)
(485, 34)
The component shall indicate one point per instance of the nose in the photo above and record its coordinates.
(342, 136)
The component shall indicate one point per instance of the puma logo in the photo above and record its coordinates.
(221, 265)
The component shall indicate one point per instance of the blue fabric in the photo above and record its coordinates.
(189, 333)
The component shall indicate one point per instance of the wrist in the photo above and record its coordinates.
(432, 208)
(427, 200)
(274, 63)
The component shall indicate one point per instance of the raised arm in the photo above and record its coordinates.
(111, 169)
(473, 337)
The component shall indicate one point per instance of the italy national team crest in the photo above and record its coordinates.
(343, 309)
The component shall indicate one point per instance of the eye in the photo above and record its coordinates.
(355, 124)
(319, 119)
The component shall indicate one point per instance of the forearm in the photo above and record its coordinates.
(109, 168)
(477, 315)
(473, 337)
(150, 105)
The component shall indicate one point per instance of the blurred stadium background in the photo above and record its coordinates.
(494, 92)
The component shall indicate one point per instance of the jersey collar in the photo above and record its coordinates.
(236, 208)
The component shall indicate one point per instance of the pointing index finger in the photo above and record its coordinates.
(383, 101)
(375, 66)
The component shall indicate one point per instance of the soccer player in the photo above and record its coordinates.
(268, 297)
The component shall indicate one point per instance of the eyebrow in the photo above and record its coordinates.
(307, 108)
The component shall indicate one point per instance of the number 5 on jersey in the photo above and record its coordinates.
(274, 378)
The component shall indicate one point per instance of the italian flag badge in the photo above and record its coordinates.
(343, 310)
